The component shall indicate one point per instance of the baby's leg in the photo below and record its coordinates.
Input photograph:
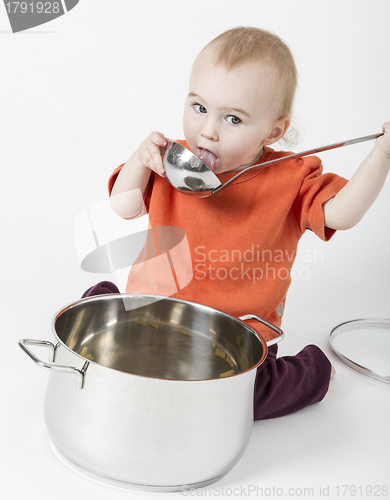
(289, 383)
(100, 289)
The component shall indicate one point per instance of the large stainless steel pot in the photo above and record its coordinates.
(135, 395)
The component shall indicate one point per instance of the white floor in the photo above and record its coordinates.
(72, 110)
(344, 440)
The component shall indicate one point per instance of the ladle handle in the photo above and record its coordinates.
(299, 155)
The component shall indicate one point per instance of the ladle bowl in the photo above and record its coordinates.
(187, 173)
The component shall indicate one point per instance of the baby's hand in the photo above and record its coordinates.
(150, 150)
(383, 142)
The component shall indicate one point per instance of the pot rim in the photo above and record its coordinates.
(109, 296)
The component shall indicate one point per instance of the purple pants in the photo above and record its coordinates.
(283, 385)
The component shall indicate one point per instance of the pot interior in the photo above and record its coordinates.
(166, 338)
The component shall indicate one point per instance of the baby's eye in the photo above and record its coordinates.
(234, 120)
(199, 108)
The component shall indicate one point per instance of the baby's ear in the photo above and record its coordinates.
(277, 132)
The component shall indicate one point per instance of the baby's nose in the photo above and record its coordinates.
(210, 130)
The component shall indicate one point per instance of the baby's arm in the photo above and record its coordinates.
(348, 207)
(129, 188)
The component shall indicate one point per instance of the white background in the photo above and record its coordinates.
(77, 97)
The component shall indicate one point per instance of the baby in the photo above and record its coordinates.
(243, 240)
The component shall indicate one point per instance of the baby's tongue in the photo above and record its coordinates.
(208, 158)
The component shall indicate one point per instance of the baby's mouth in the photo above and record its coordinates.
(208, 158)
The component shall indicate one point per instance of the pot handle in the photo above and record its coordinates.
(266, 323)
(50, 365)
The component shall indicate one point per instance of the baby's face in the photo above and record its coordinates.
(229, 114)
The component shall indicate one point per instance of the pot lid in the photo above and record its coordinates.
(364, 345)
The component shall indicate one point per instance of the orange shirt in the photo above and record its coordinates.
(233, 250)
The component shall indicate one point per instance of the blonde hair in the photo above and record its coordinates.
(243, 44)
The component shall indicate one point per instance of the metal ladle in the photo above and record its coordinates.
(187, 173)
